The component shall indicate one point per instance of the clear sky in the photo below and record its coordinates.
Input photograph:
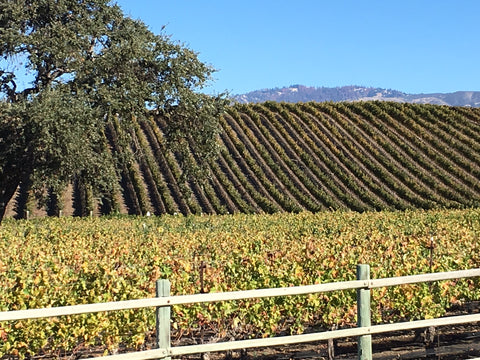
(415, 46)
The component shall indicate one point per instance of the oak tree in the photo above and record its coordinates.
(67, 69)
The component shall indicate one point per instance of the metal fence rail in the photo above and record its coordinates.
(164, 301)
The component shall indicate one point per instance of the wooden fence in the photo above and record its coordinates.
(164, 301)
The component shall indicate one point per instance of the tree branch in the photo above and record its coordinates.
(26, 92)
(9, 90)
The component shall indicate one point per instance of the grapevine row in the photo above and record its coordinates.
(418, 152)
(356, 155)
(394, 176)
(336, 159)
(293, 157)
(437, 150)
(417, 179)
(333, 196)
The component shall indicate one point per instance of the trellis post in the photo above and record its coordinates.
(363, 314)
(163, 316)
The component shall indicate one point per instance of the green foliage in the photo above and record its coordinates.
(66, 261)
(89, 65)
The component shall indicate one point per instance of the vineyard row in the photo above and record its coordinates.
(292, 157)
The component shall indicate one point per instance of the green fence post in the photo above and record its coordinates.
(363, 314)
(163, 316)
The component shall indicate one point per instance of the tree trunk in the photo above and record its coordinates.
(8, 187)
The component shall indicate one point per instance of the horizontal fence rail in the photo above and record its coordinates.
(233, 295)
(165, 301)
(293, 339)
(180, 300)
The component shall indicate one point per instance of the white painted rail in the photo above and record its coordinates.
(233, 295)
(252, 294)
(294, 339)
(179, 300)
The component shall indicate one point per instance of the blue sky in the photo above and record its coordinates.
(415, 46)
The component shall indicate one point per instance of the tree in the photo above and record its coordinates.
(86, 65)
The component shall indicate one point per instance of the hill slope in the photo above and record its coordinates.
(306, 156)
(300, 93)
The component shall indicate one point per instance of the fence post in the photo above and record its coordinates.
(163, 316)
(363, 314)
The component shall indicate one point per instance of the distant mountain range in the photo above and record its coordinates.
(300, 93)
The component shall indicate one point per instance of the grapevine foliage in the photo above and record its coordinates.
(65, 261)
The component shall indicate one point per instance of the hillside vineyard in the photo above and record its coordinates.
(306, 156)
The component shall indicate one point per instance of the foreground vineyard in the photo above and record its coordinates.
(55, 262)
(294, 157)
